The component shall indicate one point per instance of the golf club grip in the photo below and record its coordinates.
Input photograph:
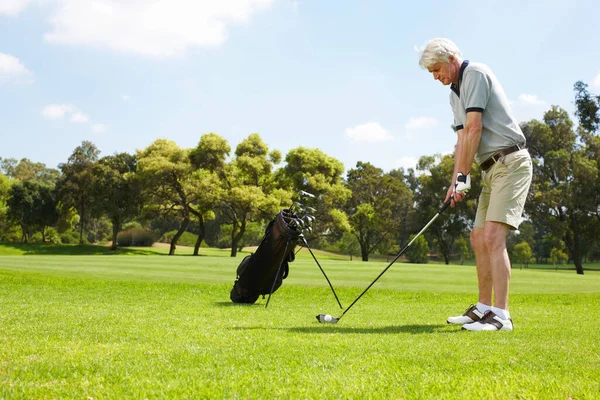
(441, 210)
(444, 206)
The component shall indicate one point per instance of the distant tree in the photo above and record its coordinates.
(565, 183)
(250, 191)
(315, 172)
(33, 206)
(431, 188)
(26, 170)
(169, 187)
(349, 245)
(5, 225)
(116, 191)
(76, 182)
(418, 252)
(558, 257)
(522, 253)
(208, 161)
(462, 249)
(378, 207)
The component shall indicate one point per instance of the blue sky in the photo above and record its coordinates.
(342, 76)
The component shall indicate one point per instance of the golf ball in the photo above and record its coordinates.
(327, 318)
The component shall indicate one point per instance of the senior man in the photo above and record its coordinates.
(488, 134)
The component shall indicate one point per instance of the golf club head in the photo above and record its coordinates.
(321, 319)
(309, 219)
(302, 193)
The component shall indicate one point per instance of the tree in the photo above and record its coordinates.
(565, 178)
(418, 252)
(315, 172)
(250, 190)
(431, 188)
(558, 257)
(8, 229)
(349, 245)
(378, 207)
(26, 170)
(170, 187)
(116, 191)
(33, 206)
(462, 249)
(76, 182)
(208, 160)
(522, 253)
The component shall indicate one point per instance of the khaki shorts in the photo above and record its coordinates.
(505, 188)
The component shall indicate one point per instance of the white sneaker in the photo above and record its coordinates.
(490, 322)
(472, 314)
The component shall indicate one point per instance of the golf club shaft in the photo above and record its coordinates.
(441, 210)
(324, 274)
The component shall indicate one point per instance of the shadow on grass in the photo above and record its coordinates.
(232, 304)
(69, 249)
(391, 329)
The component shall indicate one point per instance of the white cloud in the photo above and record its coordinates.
(161, 28)
(98, 128)
(596, 81)
(13, 7)
(12, 69)
(56, 111)
(60, 111)
(407, 162)
(418, 123)
(531, 99)
(125, 97)
(79, 117)
(369, 132)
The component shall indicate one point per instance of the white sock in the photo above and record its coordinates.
(483, 307)
(504, 314)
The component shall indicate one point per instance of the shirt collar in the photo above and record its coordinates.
(456, 89)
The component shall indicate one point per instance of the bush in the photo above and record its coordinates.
(71, 237)
(36, 238)
(186, 239)
(136, 237)
(52, 236)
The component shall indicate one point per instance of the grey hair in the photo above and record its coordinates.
(438, 50)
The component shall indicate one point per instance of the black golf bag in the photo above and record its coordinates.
(263, 272)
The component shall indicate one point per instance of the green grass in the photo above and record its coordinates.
(150, 326)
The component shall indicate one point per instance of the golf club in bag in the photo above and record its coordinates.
(328, 319)
(263, 271)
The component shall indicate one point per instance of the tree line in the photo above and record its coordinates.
(227, 197)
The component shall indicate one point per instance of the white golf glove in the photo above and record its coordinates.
(463, 182)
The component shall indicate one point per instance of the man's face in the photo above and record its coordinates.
(445, 72)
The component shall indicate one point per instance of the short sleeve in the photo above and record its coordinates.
(458, 123)
(476, 89)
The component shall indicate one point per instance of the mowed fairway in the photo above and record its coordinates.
(152, 326)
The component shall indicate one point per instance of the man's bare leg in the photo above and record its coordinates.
(484, 266)
(495, 243)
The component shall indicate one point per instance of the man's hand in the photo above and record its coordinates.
(463, 182)
(456, 191)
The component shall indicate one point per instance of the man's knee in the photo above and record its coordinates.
(494, 236)
(477, 239)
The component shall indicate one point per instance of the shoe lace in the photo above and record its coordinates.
(472, 306)
(487, 317)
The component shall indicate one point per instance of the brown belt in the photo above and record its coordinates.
(487, 164)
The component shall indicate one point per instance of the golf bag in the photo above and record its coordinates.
(263, 272)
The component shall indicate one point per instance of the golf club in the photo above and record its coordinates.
(302, 193)
(328, 319)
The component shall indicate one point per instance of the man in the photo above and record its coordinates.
(488, 134)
